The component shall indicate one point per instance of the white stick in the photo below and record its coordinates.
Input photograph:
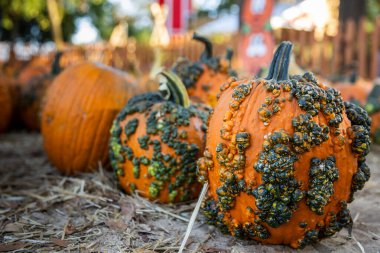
(193, 217)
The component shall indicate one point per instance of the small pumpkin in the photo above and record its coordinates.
(155, 143)
(32, 93)
(373, 108)
(78, 111)
(204, 77)
(5, 107)
(356, 92)
(283, 157)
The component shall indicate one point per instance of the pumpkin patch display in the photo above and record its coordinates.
(204, 77)
(283, 157)
(5, 107)
(32, 93)
(155, 142)
(78, 111)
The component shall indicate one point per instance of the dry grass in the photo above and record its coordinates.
(42, 210)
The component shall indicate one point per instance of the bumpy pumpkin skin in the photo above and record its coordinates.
(208, 85)
(203, 78)
(154, 148)
(32, 93)
(256, 144)
(5, 107)
(78, 111)
(31, 100)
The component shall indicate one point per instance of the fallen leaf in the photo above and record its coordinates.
(128, 210)
(59, 242)
(70, 228)
(12, 227)
(11, 246)
(116, 224)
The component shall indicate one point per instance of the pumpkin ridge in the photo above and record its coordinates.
(81, 107)
(106, 90)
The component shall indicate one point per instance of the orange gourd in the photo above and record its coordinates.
(155, 143)
(283, 157)
(5, 107)
(32, 93)
(356, 92)
(204, 77)
(373, 108)
(78, 111)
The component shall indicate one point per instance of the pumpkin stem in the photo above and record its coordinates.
(56, 67)
(172, 88)
(229, 55)
(207, 53)
(279, 67)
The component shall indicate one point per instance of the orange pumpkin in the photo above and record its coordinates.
(373, 108)
(32, 92)
(204, 77)
(155, 143)
(78, 111)
(355, 92)
(283, 157)
(5, 107)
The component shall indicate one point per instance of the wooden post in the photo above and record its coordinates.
(362, 52)
(302, 41)
(375, 50)
(325, 55)
(337, 48)
(349, 35)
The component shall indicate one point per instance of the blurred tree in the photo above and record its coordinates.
(43, 20)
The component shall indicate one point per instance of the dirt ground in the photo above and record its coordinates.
(41, 210)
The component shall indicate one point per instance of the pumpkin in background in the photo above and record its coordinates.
(5, 107)
(373, 108)
(33, 68)
(155, 143)
(32, 93)
(78, 111)
(356, 92)
(283, 157)
(204, 77)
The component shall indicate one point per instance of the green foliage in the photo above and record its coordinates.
(29, 19)
(373, 9)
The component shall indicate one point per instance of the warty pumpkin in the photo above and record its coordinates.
(203, 78)
(156, 141)
(32, 93)
(283, 157)
(78, 111)
(5, 107)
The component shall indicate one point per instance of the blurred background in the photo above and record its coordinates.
(335, 39)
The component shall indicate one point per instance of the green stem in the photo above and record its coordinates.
(56, 67)
(173, 89)
(207, 53)
(229, 55)
(279, 68)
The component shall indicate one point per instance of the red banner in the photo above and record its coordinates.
(179, 12)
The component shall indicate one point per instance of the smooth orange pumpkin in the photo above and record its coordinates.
(32, 93)
(77, 114)
(373, 108)
(204, 77)
(155, 144)
(5, 107)
(283, 157)
(356, 92)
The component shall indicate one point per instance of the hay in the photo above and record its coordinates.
(42, 210)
